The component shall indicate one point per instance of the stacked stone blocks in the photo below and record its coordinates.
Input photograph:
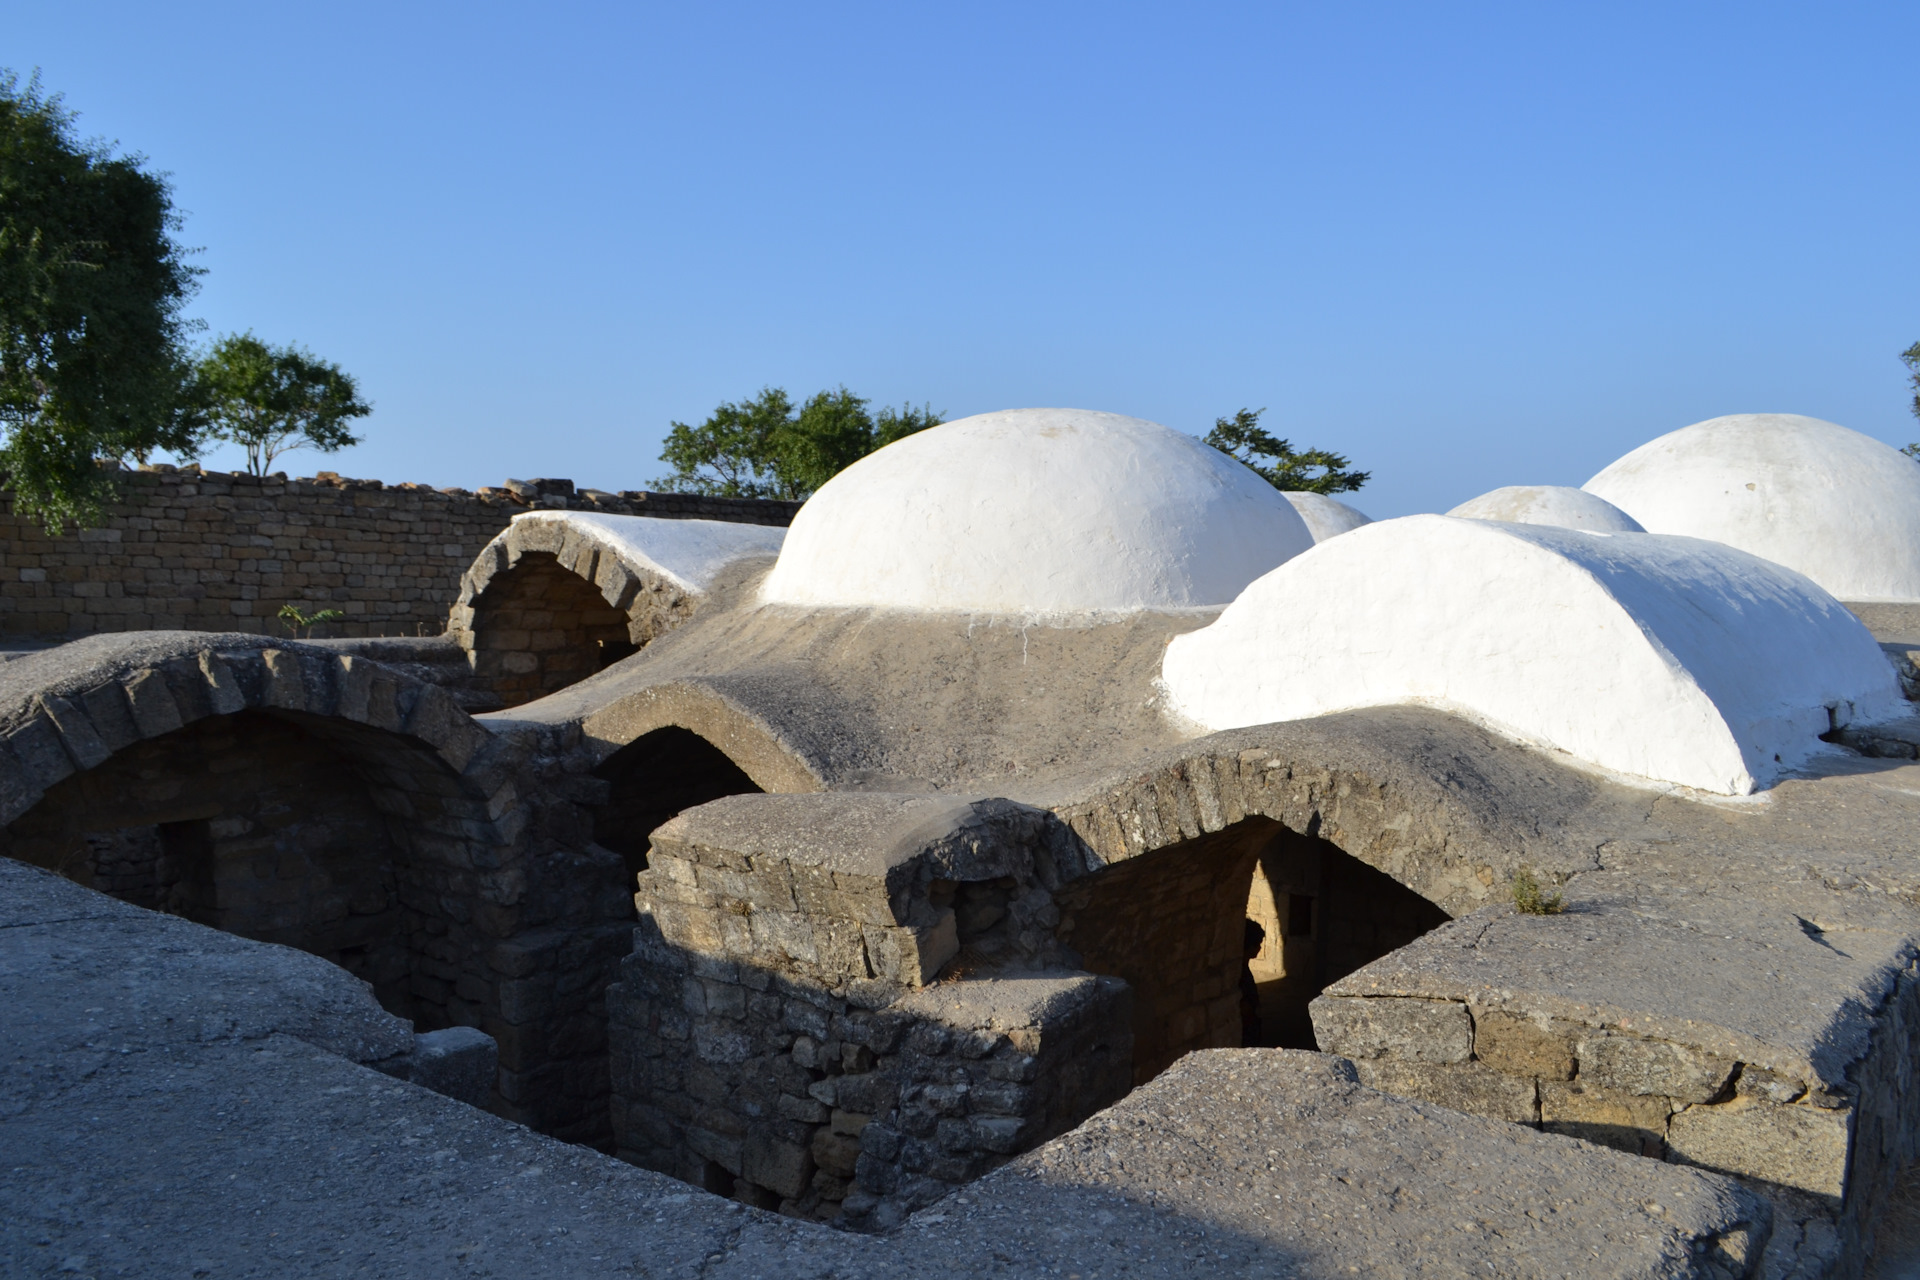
(212, 551)
(774, 1033)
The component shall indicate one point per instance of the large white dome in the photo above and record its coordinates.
(1040, 512)
(1548, 504)
(1840, 507)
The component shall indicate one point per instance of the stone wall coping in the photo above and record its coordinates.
(1007, 1002)
(866, 834)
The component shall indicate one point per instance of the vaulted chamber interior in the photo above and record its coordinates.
(1325, 913)
(653, 778)
(538, 628)
(1173, 923)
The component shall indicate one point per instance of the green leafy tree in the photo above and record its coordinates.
(764, 447)
(1911, 358)
(93, 361)
(1312, 471)
(273, 400)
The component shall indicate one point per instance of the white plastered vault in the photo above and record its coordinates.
(1838, 506)
(1671, 659)
(1037, 512)
(1326, 517)
(1548, 504)
(689, 553)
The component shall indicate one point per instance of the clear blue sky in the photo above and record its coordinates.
(1467, 244)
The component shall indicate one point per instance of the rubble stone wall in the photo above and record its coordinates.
(775, 1035)
(212, 551)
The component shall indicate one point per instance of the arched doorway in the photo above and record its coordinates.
(654, 777)
(1325, 913)
(538, 628)
(1172, 923)
(247, 823)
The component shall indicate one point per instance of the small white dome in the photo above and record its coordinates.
(1840, 507)
(1326, 517)
(1037, 511)
(1675, 659)
(1552, 504)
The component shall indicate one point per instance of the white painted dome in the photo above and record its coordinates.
(1840, 507)
(1326, 517)
(1674, 659)
(1038, 512)
(1551, 504)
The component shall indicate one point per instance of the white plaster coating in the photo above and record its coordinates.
(1838, 506)
(688, 553)
(1326, 517)
(1041, 513)
(1671, 659)
(1551, 504)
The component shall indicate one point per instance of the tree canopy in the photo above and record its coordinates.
(1311, 470)
(763, 447)
(93, 361)
(273, 400)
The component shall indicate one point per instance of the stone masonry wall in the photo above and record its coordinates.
(775, 1037)
(1171, 924)
(212, 551)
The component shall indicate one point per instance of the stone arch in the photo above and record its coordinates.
(505, 928)
(767, 757)
(1384, 851)
(654, 777)
(547, 604)
(297, 796)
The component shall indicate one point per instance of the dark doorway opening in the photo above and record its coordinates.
(654, 777)
(1326, 914)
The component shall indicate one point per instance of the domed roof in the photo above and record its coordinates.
(1548, 504)
(1037, 511)
(1840, 507)
(1675, 659)
(1326, 517)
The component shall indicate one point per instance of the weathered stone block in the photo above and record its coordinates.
(1652, 1067)
(1405, 1030)
(1629, 1122)
(913, 957)
(997, 1133)
(1519, 1046)
(286, 682)
(778, 1165)
(76, 732)
(1467, 1086)
(154, 710)
(224, 694)
(835, 1153)
(1796, 1146)
(112, 718)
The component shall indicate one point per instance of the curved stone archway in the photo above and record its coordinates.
(251, 824)
(654, 777)
(289, 796)
(364, 816)
(546, 604)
